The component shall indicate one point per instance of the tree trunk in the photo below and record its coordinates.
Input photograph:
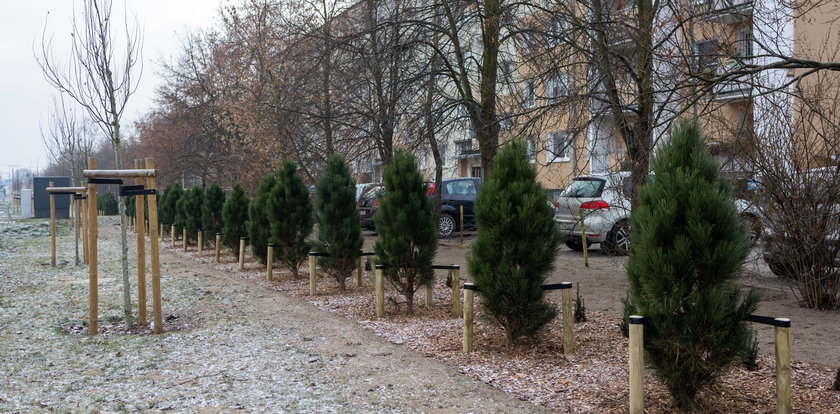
(123, 234)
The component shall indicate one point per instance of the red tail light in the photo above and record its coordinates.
(376, 202)
(431, 190)
(595, 205)
(556, 204)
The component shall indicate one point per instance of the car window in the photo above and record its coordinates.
(460, 187)
(584, 187)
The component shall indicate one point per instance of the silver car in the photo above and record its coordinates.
(604, 201)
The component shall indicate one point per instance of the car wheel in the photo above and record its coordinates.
(617, 241)
(753, 226)
(575, 245)
(446, 226)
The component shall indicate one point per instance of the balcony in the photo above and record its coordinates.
(726, 11)
(732, 90)
(465, 149)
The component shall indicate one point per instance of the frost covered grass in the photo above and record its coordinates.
(203, 361)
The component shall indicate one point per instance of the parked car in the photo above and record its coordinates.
(604, 200)
(368, 204)
(455, 192)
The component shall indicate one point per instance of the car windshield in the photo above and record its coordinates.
(584, 187)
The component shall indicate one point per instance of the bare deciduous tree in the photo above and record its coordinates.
(67, 138)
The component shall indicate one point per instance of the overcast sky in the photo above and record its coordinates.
(25, 95)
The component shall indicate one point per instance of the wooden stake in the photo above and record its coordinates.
(52, 226)
(241, 253)
(172, 235)
(583, 241)
(200, 243)
(85, 218)
(93, 275)
(139, 213)
(269, 263)
(160, 231)
(153, 242)
(636, 359)
(184, 231)
(76, 224)
(218, 246)
(468, 316)
(379, 290)
(429, 295)
(456, 291)
(568, 320)
(312, 274)
(359, 272)
(783, 367)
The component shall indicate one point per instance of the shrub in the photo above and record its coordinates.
(406, 225)
(515, 248)
(107, 203)
(191, 204)
(688, 245)
(211, 211)
(235, 219)
(169, 206)
(259, 226)
(339, 227)
(749, 359)
(580, 308)
(290, 214)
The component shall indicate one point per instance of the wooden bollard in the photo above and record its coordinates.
(172, 235)
(52, 227)
(429, 295)
(218, 246)
(469, 300)
(159, 231)
(77, 203)
(200, 243)
(379, 289)
(783, 366)
(312, 274)
(359, 272)
(454, 275)
(568, 318)
(85, 218)
(241, 253)
(157, 308)
(93, 265)
(139, 213)
(269, 263)
(637, 347)
(184, 235)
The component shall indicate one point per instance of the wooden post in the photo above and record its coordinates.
(269, 263)
(172, 235)
(468, 316)
(139, 213)
(241, 253)
(583, 240)
(568, 319)
(637, 348)
(429, 295)
(359, 272)
(456, 291)
(52, 227)
(200, 243)
(76, 224)
(379, 291)
(153, 242)
(160, 231)
(312, 273)
(84, 215)
(184, 235)
(783, 366)
(218, 246)
(93, 275)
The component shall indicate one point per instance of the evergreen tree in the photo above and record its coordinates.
(515, 249)
(290, 214)
(130, 207)
(211, 211)
(688, 245)
(235, 219)
(406, 226)
(107, 203)
(173, 193)
(161, 201)
(191, 204)
(259, 226)
(339, 226)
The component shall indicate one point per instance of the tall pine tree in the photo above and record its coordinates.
(235, 219)
(211, 211)
(169, 208)
(516, 246)
(290, 214)
(339, 227)
(406, 225)
(191, 204)
(688, 245)
(259, 226)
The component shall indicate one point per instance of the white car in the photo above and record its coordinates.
(604, 200)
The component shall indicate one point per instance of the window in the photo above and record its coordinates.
(423, 160)
(743, 42)
(529, 42)
(460, 187)
(557, 27)
(508, 68)
(558, 86)
(505, 122)
(559, 143)
(707, 55)
(476, 172)
(532, 149)
(528, 94)
(442, 150)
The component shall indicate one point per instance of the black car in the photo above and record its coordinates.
(368, 204)
(455, 193)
